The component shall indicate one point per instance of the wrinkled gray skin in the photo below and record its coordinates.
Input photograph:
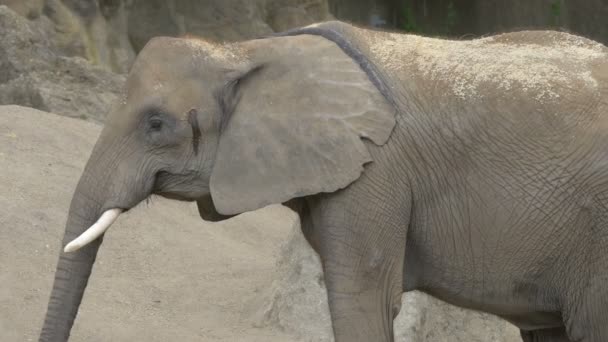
(494, 200)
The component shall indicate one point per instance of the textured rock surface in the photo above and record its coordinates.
(109, 32)
(424, 318)
(34, 73)
(226, 20)
(295, 300)
(30, 9)
(93, 29)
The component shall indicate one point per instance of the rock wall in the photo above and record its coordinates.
(35, 73)
(110, 32)
(69, 56)
(227, 20)
(94, 30)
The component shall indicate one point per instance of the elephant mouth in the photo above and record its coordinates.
(177, 187)
(181, 187)
(162, 181)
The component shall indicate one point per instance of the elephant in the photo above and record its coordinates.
(473, 170)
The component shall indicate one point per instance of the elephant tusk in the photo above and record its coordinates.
(96, 230)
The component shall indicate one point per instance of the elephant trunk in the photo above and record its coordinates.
(106, 188)
(73, 269)
(84, 228)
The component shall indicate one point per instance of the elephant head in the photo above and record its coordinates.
(234, 127)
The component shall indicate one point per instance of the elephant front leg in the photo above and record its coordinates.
(362, 253)
(586, 296)
(362, 309)
(587, 317)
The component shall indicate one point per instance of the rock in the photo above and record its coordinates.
(108, 33)
(120, 53)
(296, 302)
(95, 30)
(287, 14)
(30, 9)
(226, 20)
(34, 73)
(69, 35)
(91, 29)
(287, 17)
(424, 318)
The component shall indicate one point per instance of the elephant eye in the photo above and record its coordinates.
(156, 124)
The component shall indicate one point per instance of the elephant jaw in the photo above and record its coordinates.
(96, 230)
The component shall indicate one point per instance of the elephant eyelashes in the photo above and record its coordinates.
(156, 125)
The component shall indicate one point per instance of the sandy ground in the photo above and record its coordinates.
(162, 274)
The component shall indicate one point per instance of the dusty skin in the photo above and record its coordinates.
(163, 274)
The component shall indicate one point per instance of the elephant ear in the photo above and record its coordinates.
(298, 125)
(208, 212)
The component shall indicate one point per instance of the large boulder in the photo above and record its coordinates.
(286, 14)
(296, 299)
(30, 9)
(424, 318)
(296, 303)
(93, 29)
(227, 20)
(34, 73)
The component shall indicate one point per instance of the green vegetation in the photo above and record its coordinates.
(451, 17)
(556, 12)
(409, 23)
(408, 19)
